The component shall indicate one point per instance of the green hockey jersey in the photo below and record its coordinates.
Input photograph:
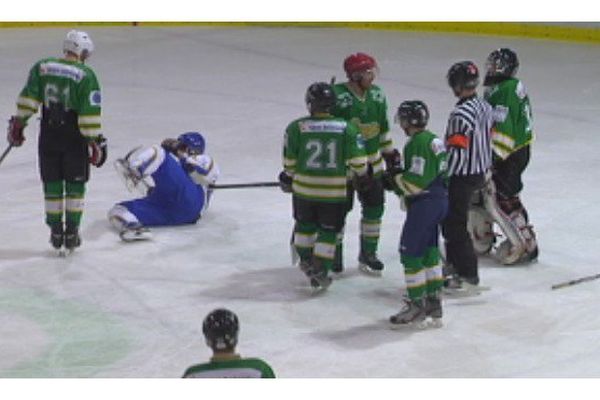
(69, 83)
(512, 113)
(231, 368)
(424, 161)
(370, 115)
(318, 152)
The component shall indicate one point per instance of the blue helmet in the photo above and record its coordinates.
(193, 141)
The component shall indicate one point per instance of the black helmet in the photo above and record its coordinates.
(463, 75)
(320, 97)
(501, 64)
(414, 112)
(221, 329)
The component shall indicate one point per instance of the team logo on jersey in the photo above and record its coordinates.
(95, 98)
(417, 165)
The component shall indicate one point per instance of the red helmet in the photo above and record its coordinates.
(358, 62)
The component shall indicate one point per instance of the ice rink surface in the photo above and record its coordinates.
(135, 310)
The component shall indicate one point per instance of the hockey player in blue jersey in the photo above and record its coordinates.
(175, 175)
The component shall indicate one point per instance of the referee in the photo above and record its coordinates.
(468, 142)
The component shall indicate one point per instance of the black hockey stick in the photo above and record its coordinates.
(3, 156)
(575, 281)
(244, 185)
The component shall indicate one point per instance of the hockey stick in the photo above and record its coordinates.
(244, 185)
(3, 156)
(575, 281)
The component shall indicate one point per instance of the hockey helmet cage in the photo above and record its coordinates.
(79, 43)
(193, 141)
(320, 97)
(358, 62)
(501, 64)
(220, 329)
(414, 112)
(463, 75)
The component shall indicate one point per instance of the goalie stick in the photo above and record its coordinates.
(575, 281)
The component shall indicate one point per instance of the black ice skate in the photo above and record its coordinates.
(72, 238)
(57, 236)
(457, 286)
(370, 264)
(316, 274)
(412, 314)
(433, 309)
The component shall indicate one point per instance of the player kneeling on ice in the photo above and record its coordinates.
(181, 173)
(421, 185)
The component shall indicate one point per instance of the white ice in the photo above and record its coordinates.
(135, 310)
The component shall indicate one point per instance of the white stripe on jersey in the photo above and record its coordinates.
(474, 119)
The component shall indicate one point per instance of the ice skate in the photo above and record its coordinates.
(72, 238)
(456, 286)
(433, 310)
(135, 232)
(317, 275)
(411, 315)
(57, 236)
(370, 264)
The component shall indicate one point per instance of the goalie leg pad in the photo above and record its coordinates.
(480, 226)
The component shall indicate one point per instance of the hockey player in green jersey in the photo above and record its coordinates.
(221, 328)
(421, 185)
(512, 138)
(319, 152)
(69, 94)
(363, 103)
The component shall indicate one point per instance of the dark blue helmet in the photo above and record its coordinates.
(193, 141)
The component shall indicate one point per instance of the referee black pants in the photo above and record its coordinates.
(459, 247)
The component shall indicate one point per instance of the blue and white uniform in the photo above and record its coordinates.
(180, 192)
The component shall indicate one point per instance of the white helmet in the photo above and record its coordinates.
(80, 43)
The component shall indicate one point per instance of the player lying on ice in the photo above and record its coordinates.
(181, 173)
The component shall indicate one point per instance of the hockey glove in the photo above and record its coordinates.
(97, 151)
(15, 131)
(363, 183)
(388, 180)
(285, 182)
(393, 160)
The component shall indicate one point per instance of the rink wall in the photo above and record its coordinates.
(563, 31)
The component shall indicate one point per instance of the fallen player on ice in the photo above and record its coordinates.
(175, 177)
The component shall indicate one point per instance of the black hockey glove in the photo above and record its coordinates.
(388, 178)
(393, 160)
(285, 182)
(363, 183)
(97, 151)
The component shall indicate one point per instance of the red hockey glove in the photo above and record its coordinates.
(97, 151)
(15, 131)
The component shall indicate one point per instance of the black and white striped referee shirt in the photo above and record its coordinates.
(468, 137)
